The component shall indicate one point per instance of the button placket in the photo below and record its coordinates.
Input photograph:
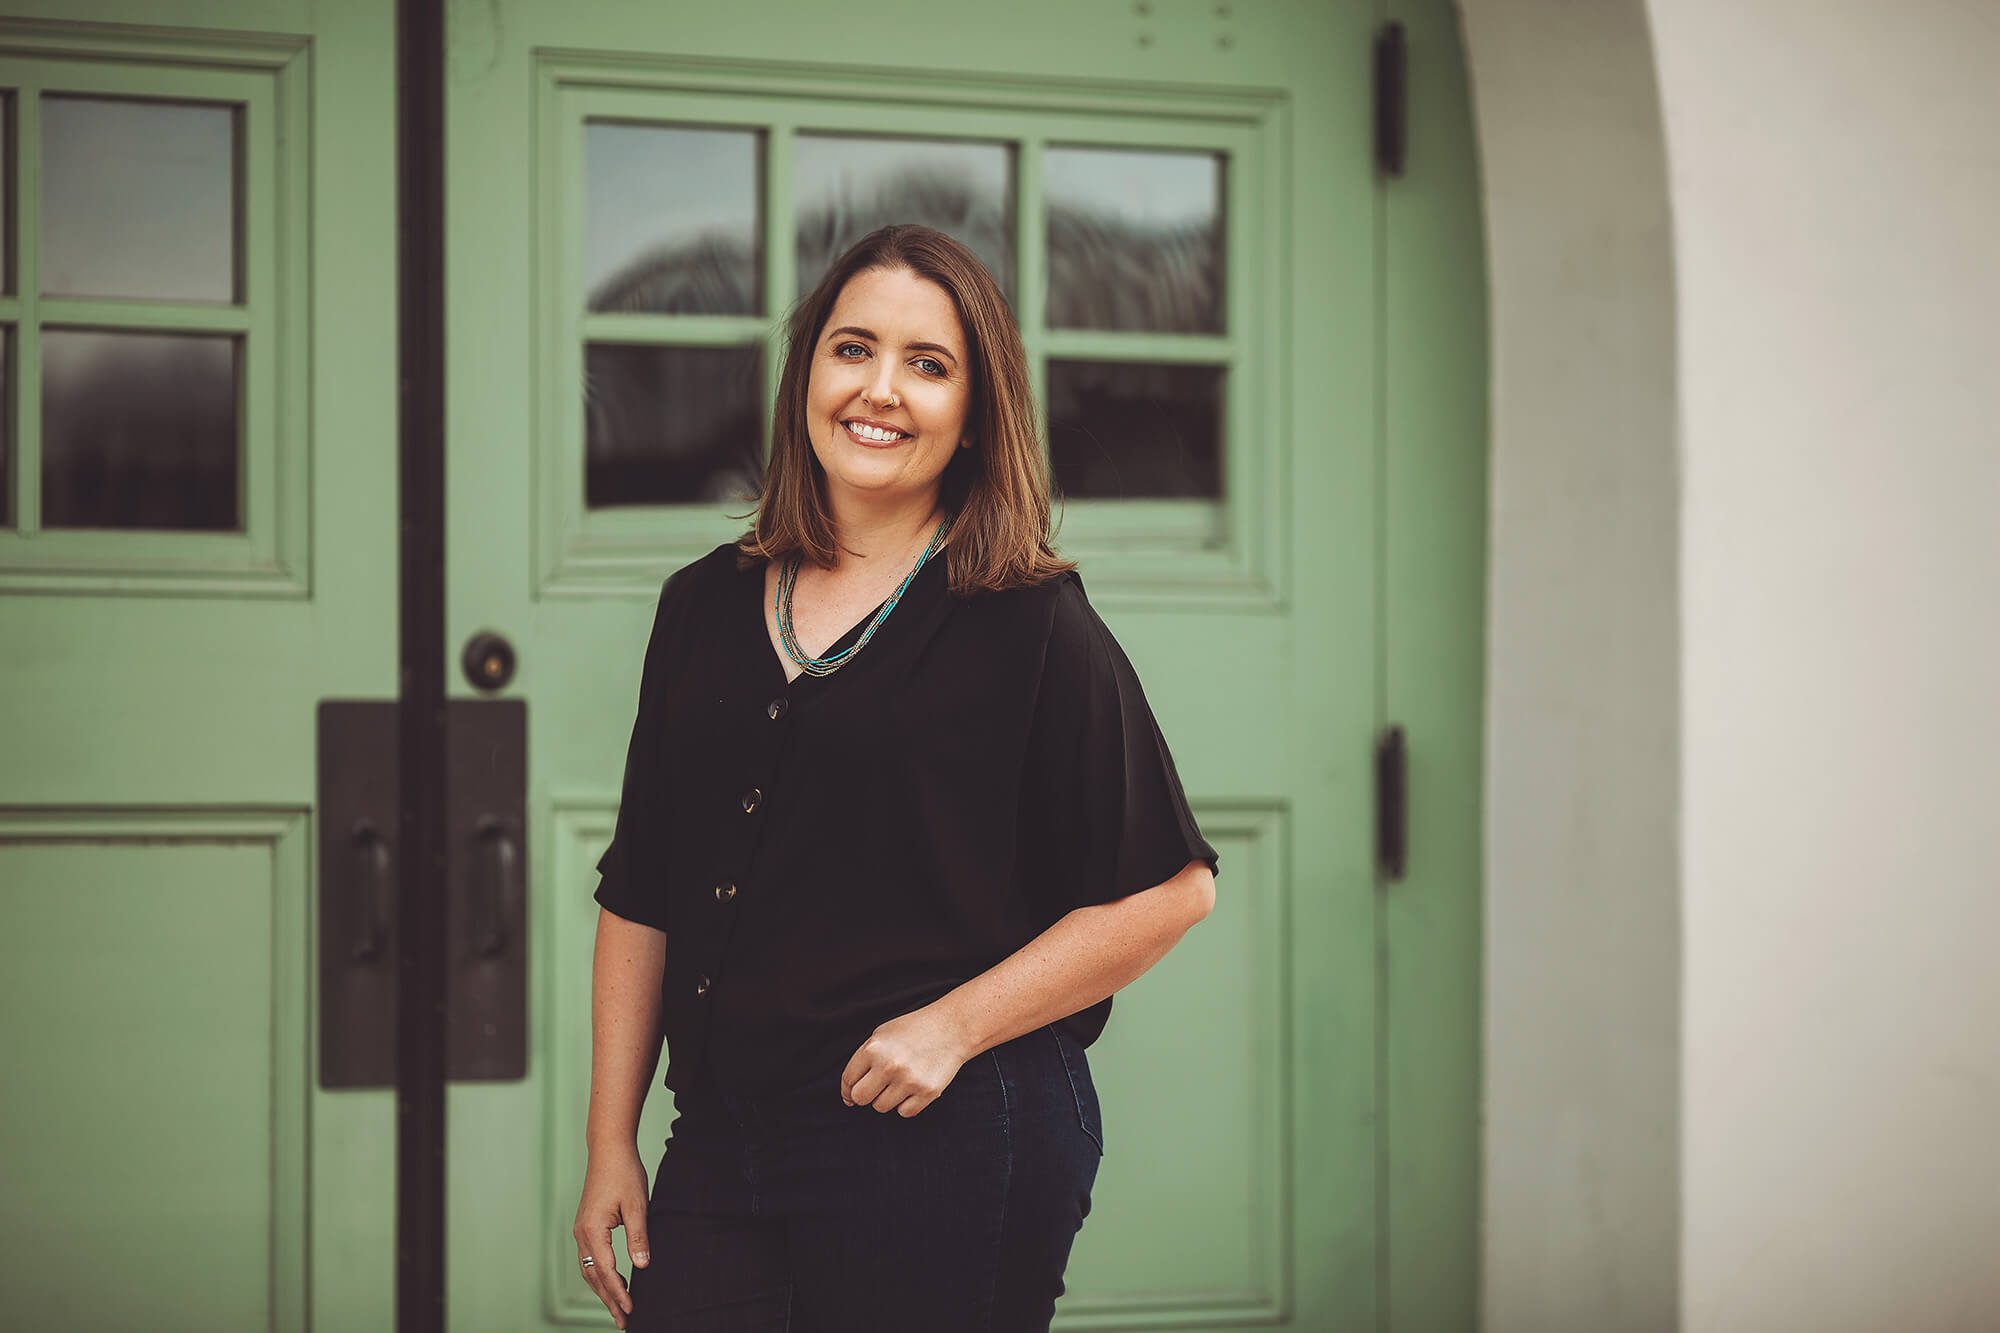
(750, 801)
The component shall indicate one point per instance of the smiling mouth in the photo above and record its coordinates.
(874, 434)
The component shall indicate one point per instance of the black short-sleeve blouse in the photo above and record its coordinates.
(828, 853)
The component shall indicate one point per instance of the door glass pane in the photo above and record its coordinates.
(139, 199)
(139, 430)
(845, 186)
(1128, 430)
(1135, 240)
(672, 219)
(671, 425)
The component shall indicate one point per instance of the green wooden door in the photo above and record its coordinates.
(637, 192)
(197, 543)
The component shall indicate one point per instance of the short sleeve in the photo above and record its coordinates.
(1103, 814)
(631, 884)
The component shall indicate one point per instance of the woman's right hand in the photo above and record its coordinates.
(614, 1194)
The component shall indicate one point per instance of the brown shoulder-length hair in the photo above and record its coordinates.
(998, 488)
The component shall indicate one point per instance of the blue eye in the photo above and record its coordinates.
(838, 351)
(932, 361)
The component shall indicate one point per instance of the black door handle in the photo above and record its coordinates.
(498, 871)
(372, 897)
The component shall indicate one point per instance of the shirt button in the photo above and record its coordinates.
(701, 986)
(777, 709)
(725, 891)
(750, 799)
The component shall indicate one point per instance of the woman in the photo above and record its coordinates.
(882, 855)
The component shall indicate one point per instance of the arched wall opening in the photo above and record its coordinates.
(1582, 1083)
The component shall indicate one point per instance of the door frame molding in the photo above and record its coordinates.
(1433, 442)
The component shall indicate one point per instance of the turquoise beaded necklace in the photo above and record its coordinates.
(788, 574)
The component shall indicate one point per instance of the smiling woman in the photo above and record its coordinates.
(908, 831)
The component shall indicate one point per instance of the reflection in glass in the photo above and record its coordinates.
(1131, 431)
(1135, 240)
(671, 219)
(138, 199)
(139, 430)
(671, 425)
(843, 187)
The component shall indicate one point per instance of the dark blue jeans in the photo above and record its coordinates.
(797, 1213)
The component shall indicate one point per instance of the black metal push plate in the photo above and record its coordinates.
(486, 880)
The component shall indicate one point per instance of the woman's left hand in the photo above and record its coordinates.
(905, 1063)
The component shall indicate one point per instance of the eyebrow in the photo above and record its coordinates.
(872, 336)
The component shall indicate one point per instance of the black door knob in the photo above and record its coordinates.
(488, 662)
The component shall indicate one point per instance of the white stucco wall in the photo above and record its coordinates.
(1823, 479)
(1835, 174)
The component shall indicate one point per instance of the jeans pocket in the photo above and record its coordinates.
(1083, 1090)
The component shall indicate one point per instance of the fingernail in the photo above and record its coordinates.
(641, 1258)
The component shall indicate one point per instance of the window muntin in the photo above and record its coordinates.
(153, 217)
(1132, 242)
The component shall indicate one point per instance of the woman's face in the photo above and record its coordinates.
(888, 391)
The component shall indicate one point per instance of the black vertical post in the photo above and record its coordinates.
(420, 759)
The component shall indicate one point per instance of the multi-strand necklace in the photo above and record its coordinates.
(788, 574)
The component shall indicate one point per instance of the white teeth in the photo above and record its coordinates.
(873, 432)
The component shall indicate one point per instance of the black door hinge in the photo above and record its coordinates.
(1392, 805)
(1391, 100)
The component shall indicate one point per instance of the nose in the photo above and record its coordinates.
(881, 388)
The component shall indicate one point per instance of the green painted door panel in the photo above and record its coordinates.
(198, 544)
